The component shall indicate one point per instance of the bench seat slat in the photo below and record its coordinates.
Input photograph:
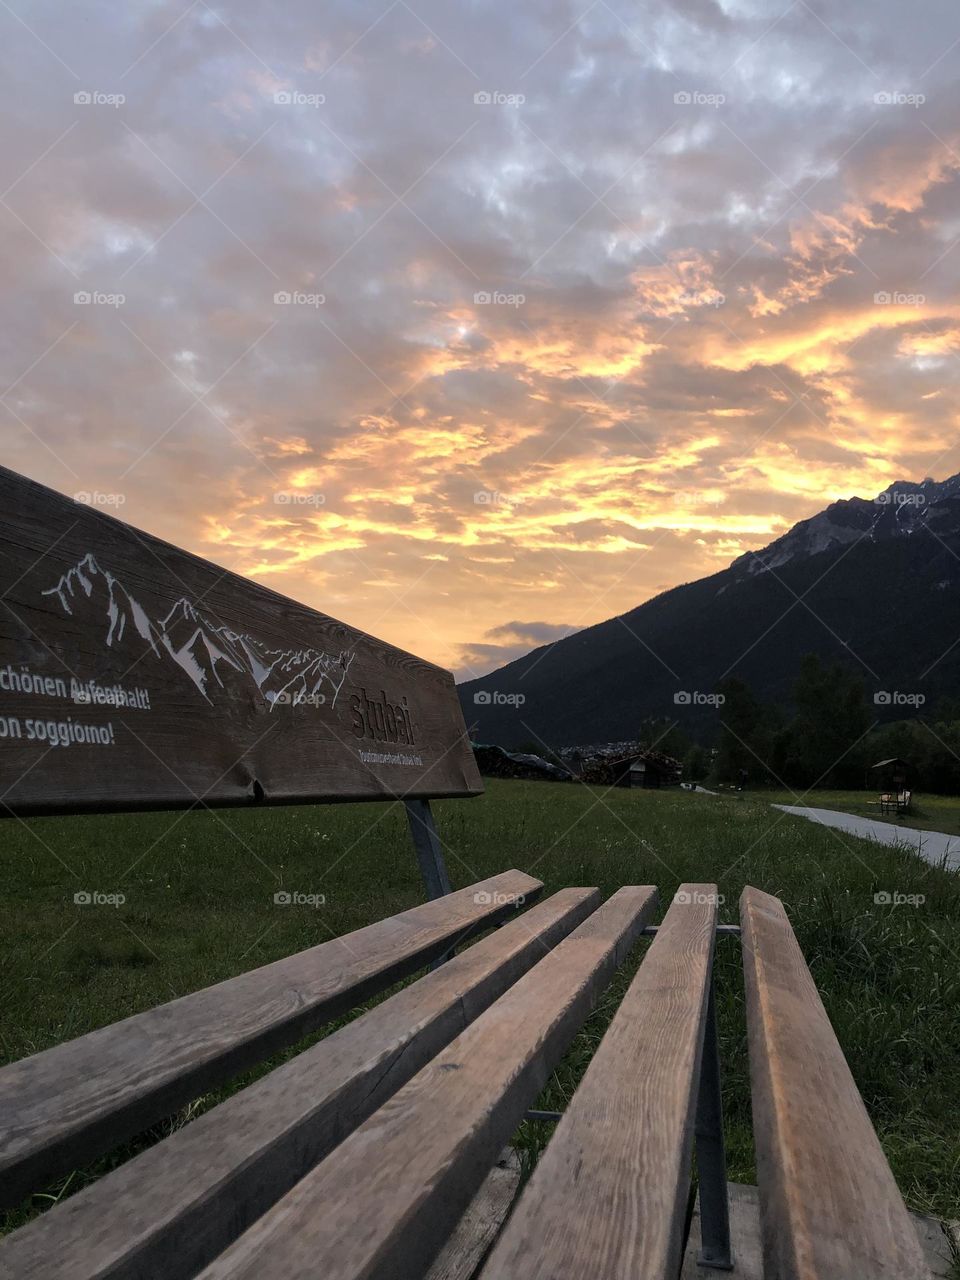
(67, 1105)
(382, 1204)
(175, 1207)
(609, 1195)
(829, 1204)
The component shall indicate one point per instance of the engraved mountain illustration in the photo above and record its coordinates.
(220, 661)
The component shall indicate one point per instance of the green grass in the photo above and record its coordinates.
(927, 813)
(199, 908)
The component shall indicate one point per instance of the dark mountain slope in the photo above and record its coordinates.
(878, 586)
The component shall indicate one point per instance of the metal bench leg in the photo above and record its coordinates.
(711, 1157)
(427, 844)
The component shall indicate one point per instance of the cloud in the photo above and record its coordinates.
(506, 642)
(532, 633)
(609, 324)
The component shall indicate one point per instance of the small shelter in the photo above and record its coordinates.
(889, 775)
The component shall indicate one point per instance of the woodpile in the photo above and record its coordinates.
(609, 765)
(494, 762)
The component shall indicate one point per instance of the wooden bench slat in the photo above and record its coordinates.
(829, 1204)
(175, 1207)
(609, 1195)
(63, 1107)
(385, 1200)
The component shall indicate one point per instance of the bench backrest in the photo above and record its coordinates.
(134, 675)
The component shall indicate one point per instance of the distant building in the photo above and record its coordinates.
(622, 764)
(648, 769)
(889, 775)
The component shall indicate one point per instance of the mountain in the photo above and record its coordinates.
(872, 583)
(900, 511)
(221, 662)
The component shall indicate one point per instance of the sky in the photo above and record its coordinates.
(475, 324)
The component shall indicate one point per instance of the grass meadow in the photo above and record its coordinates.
(199, 906)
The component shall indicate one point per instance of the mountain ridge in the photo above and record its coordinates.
(903, 508)
(873, 583)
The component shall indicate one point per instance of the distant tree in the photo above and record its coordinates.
(744, 738)
(657, 733)
(826, 736)
(937, 754)
(947, 710)
(931, 750)
(696, 764)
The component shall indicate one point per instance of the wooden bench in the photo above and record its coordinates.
(365, 1150)
(137, 677)
(896, 802)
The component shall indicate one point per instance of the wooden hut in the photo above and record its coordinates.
(647, 769)
(889, 775)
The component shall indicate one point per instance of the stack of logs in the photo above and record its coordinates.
(607, 771)
(494, 762)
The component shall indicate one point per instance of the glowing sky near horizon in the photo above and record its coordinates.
(719, 243)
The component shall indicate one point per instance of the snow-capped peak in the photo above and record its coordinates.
(903, 509)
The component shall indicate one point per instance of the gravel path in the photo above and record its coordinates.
(935, 846)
